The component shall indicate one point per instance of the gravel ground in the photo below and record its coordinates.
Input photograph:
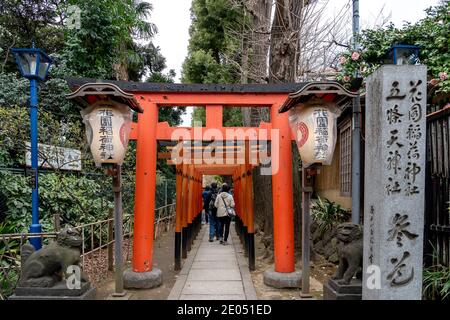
(96, 264)
(96, 267)
(320, 272)
(162, 259)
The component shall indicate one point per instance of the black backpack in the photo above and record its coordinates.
(214, 194)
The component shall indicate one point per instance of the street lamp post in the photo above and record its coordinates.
(356, 131)
(107, 117)
(33, 64)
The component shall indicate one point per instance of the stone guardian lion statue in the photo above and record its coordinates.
(48, 266)
(350, 252)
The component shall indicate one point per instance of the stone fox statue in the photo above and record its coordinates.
(350, 251)
(46, 267)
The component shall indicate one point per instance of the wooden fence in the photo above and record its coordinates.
(437, 207)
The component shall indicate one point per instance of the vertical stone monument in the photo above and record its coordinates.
(394, 188)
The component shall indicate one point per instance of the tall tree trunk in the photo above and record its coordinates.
(284, 41)
(256, 42)
(282, 68)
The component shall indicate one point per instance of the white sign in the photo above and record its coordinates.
(53, 157)
(314, 129)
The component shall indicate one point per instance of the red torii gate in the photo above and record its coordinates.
(147, 131)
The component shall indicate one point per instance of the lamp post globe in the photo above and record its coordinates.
(33, 64)
(400, 54)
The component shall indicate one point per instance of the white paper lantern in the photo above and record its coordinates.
(314, 126)
(108, 125)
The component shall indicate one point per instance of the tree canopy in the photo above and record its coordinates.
(112, 41)
(430, 34)
(211, 48)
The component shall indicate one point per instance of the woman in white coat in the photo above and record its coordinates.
(224, 199)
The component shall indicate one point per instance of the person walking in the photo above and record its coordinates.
(206, 195)
(224, 200)
(213, 222)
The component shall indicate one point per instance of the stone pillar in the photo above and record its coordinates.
(394, 182)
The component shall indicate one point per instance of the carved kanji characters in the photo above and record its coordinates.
(398, 276)
(411, 171)
(394, 139)
(393, 115)
(414, 94)
(395, 92)
(394, 161)
(399, 229)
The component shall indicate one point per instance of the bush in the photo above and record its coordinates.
(436, 282)
(327, 213)
(16, 198)
(77, 199)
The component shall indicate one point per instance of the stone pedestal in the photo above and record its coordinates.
(58, 292)
(332, 290)
(394, 191)
(283, 280)
(142, 280)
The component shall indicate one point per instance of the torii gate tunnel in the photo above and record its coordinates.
(243, 150)
(189, 201)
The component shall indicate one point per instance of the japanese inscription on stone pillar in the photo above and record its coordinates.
(394, 181)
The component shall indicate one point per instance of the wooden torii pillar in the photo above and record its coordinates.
(178, 216)
(283, 217)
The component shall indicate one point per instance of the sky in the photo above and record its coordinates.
(172, 18)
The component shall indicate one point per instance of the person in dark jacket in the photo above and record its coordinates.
(213, 222)
(206, 195)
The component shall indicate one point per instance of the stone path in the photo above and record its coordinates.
(214, 272)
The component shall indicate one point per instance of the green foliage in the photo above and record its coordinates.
(77, 199)
(327, 213)
(91, 50)
(232, 117)
(15, 194)
(210, 44)
(201, 67)
(211, 48)
(210, 21)
(15, 131)
(430, 33)
(436, 279)
(436, 282)
(13, 90)
(9, 250)
(105, 47)
(199, 115)
(24, 21)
